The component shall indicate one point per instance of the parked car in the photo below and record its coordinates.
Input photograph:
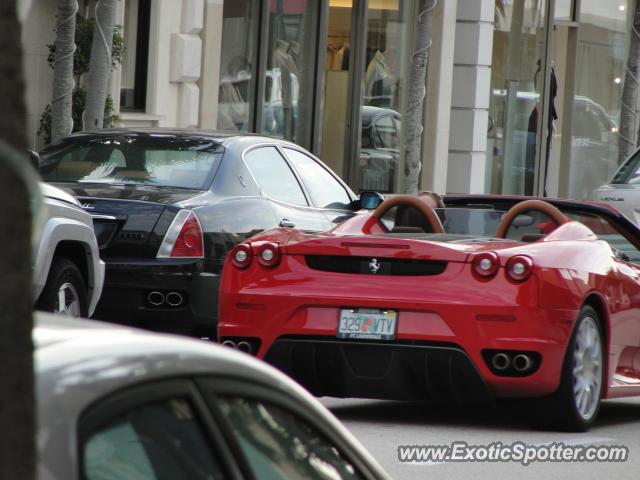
(67, 274)
(492, 297)
(623, 190)
(379, 153)
(167, 205)
(116, 403)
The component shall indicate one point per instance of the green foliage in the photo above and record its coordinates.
(81, 59)
(79, 96)
(84, 40)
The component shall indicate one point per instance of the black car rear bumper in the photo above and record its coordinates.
(381, 370)
(128, 285)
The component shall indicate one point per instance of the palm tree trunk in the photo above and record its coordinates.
(99, 64)
(417, 91)
(629, 101)
(63, 84)
(17, 417)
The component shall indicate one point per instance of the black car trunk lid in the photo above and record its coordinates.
(129, 221)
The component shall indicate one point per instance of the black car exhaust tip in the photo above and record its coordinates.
(156, 298)
(244, 347)
(500, 361)
(174, 299)
(229, 343)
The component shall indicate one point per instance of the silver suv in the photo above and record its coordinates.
(68, 273)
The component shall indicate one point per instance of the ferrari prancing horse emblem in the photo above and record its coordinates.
(374, 265)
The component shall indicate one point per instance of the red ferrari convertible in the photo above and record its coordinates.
(491, 297)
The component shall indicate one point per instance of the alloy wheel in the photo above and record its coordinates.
(68, 301)
(587, 368)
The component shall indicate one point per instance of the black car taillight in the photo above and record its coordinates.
(184, 238)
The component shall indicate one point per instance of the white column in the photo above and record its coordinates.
(435, 144)
(211, 59)
(470, 96)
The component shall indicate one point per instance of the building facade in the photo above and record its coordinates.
(522, 97)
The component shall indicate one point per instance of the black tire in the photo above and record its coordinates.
(63, 272)
(560, 411)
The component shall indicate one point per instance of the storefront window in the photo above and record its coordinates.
(289, 79)
(237, 68)
(565, 10)
(133, 89)
(603, 36)
(384, 84)
(515, 108)
(336, 86)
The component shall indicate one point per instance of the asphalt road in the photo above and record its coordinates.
(383, 425)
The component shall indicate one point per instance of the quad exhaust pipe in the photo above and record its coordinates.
(510, 363)
(501, 361)
(242, 345)
(156, 298)
(522, 362)
(159, 299)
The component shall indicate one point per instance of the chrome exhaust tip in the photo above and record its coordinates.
(522, 362)
(155, 298)
(174, 299)
(229, 343)
(500, 361)
(244, 347)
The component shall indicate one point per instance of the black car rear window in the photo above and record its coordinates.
(181, 162)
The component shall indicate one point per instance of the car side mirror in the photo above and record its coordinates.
(34, 158)
(370, 200)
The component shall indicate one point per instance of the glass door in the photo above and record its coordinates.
(515, 107)
(336, 85)
(369, 46)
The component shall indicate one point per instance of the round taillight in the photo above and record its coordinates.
(486, 264)
(269, 255)
(519, 268)
(241, 255)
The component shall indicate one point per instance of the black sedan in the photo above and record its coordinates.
(168, 205)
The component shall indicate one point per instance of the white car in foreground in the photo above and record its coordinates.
(67, 271)
(623, 190)
(116, 403)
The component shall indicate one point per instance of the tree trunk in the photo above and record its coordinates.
(629, 101)
(17, 424)
(99, 64)
(61, 118)
(417, 91)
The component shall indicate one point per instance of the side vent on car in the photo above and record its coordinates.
(184, 238)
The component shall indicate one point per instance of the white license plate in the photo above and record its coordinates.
(366, 323)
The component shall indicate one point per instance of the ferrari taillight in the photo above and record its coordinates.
(269, 255)
(519, 268)
(184, 238)
(486, 264)
(241, 255)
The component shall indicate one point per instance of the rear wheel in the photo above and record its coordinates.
(65, 292)
(575, 404)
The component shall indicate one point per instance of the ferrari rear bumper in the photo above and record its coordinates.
(391, 371)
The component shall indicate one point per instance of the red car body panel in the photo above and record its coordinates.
(455, 308)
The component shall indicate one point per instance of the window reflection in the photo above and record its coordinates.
(515, 106)
(280, 445)
(601, 58)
